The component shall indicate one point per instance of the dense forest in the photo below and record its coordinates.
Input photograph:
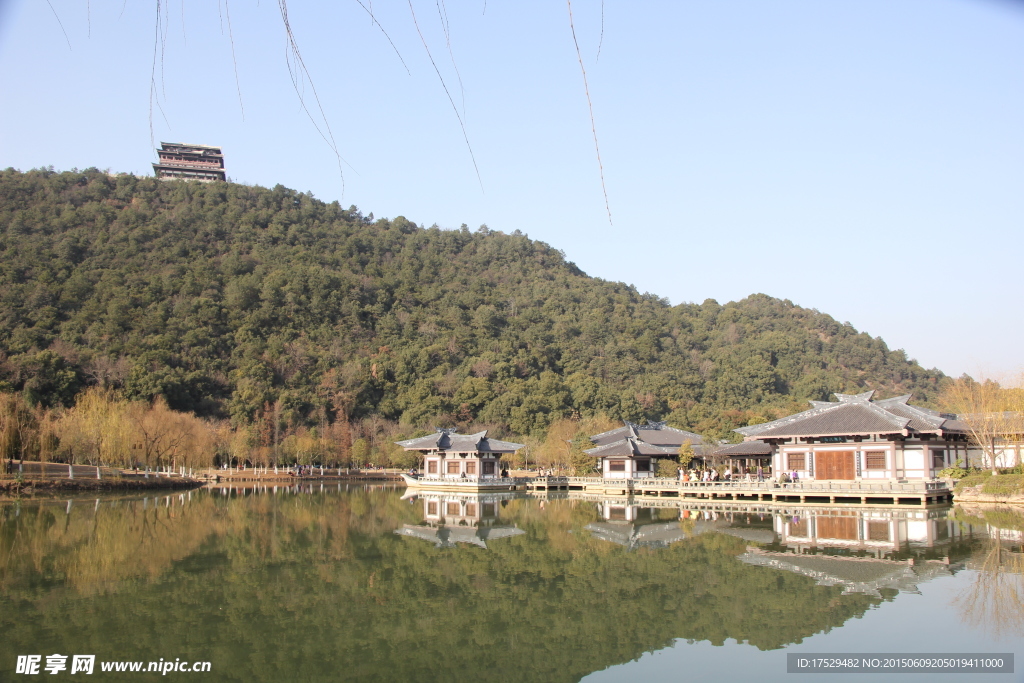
(278, 312)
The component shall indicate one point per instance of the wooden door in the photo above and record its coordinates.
(834, 465)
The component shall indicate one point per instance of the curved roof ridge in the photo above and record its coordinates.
(855, 398)
(899, 420)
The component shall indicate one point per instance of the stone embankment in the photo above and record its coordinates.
(1000, 489)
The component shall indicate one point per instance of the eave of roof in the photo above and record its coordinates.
(856, 415)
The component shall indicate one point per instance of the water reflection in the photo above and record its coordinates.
(452, 517)
(995, 600)
(300, 582)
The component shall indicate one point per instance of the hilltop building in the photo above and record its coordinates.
(189, 162)
(856, 438)
(631, 451)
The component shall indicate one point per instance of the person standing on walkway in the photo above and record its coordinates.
(760, 473)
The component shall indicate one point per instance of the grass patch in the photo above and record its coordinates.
(996, 485)
(972, 481)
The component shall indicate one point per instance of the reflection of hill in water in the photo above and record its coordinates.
(320, 587)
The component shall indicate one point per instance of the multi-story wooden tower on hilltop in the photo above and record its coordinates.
(189, 162)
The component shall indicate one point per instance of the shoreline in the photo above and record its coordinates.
(34, 488)
(50, 488)
(988, 498)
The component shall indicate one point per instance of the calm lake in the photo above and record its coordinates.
(326, 583)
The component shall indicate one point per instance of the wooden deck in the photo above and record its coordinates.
(811, 492)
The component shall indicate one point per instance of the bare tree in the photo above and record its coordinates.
(992, 414)
(995, 600)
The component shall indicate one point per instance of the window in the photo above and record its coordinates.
(471, 509)
(488, 510)
(616, 465)
(874, 460)
(938, 459)
(643, 465)
(452, 508)
(470, 467)
(797, 461)
(453, 467)
(432, 506)
(431, 467)
(488, 467)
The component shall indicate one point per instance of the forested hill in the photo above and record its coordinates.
(228, 299)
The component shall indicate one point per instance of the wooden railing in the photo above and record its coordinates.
(766, 486)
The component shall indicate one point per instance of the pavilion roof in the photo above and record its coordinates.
(744, 449)
(448, 440)
(857, 414)
(654, 433)
(629, 447)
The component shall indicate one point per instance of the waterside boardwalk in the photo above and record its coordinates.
(811, 492)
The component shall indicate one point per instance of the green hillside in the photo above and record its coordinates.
(226, 299)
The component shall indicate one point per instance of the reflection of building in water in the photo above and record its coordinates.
(877, 531)
(634, 526)
(451, 518)
(867, 575)
(853, 548)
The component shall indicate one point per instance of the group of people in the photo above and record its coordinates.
(712, 474)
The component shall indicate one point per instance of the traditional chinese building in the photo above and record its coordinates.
(856, 438)
(189, 162)
(746, 454)
(632, 451)
(451, 456)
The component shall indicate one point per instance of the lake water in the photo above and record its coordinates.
(332, 583)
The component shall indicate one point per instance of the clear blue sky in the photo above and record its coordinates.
(861, 157)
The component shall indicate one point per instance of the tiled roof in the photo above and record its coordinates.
(856, 414)
(656, 433)
(744, 448)
(448, 440)
(629, 447)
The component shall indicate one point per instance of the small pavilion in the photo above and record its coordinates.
(631, 451)
(746, 454)
(460, 456)
(857, 438)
